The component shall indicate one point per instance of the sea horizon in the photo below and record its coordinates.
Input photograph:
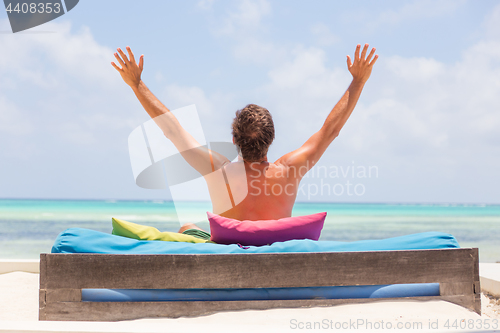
(298, 201)
(30, 226)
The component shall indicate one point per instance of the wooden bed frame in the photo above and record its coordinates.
(63, 276)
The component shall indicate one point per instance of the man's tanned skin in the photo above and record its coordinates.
(269, 189)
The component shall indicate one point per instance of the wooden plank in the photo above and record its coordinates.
(42, 291)
(43, 270)
(457, 288)
(41, 304)
(466, 301)
(112, 311)
(64, 295)
(456, 269)
(477, 284)
(78, 271)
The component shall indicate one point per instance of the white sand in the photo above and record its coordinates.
(490, 278)
(19, 296)
(19, 312)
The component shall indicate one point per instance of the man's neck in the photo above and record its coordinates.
(262, 161)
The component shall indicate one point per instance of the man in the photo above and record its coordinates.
(257, 189)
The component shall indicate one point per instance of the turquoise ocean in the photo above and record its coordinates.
(29, 227)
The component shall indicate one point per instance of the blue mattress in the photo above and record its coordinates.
(254, 294)
(78, 240)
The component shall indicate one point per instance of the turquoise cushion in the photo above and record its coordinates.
(78, 240)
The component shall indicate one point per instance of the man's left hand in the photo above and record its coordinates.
(130, 71)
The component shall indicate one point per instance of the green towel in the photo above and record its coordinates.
(197, 233)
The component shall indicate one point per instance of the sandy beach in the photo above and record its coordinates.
(19, 313)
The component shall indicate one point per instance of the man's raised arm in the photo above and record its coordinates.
(311, 151)
(198, 157)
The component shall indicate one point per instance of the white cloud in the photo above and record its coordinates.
(256, 51)
(415, 69)
(306, 74)
(15, 125)
(430, 109)
(206, 4)
(248, 16)
(408, 11)
(12, 120)
(60, 86)
(180, 96)
(244, 24)
(75, 54)
(419, 9)
(491, 25)
(244, 19)
(65, 116)
(215, 110)
(323, 35)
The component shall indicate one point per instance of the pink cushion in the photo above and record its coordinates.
(230, 231)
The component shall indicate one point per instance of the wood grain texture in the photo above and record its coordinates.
(77, 271)
(63, 295)
(42, 303)
(42, 292)
(458, 288)
(111, 311)
(62, 276)
(477, 284)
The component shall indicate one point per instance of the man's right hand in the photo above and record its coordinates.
(130, 71)
(361, 68)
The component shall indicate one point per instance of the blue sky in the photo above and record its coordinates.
(428, 119)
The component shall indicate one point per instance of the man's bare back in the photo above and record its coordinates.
(257, 190)
(262, 192)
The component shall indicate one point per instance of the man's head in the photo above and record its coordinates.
(253, 132)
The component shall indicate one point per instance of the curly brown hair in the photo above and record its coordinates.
(253, 132)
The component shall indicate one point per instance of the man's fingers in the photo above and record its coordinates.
(370, 55)
(141, 62)
(125, 59)
(373, 61)
(131, 55)
(117, 68)
(363, 54)
(119, 59)
(349, 62)
(356, 53)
